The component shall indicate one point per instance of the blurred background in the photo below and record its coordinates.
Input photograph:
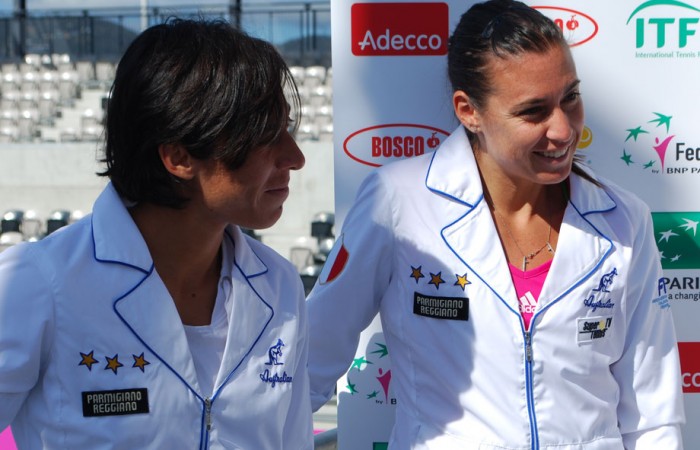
(57, 63)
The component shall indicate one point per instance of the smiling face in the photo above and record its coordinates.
(531, 120)
(252, 195)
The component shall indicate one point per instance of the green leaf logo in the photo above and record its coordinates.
(677, 239)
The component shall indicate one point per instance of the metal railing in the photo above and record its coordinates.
(300, 30)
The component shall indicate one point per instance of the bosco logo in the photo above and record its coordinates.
(378, 145)
(578, 28)
(397, 29)
(690, 366)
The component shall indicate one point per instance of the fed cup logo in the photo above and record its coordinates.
(653, 145)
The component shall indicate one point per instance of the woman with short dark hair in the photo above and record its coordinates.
(155, 322)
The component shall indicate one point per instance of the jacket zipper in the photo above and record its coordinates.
(207, 424)
(534, 441)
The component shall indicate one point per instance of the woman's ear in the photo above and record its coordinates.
(177, 160)
(465, 111)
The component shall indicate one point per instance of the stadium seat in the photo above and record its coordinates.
(27, 124)
(11, 221)
(48, 80)
(92, 133)
(9, 239)
(301, 256)
(320, 95)
(69, 135)
(329, 76)
(104, 72)
(307, 131)
(10, 82)
(10, 100)
(29, 81)
(325, 133)
(48, 106)
(86, 71)
(9, 117)
(28, 99)
(9, 68)
(32, 60)
(298, 74)
(314, 76)
(31, 226)
(59, 59)
(323, 115)
(57, 219)
(68, 87)
(9, 133)
(89, 118)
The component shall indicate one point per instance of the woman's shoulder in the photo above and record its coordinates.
(623, 198)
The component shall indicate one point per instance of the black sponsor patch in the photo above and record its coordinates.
(450, 308)
(115, 403)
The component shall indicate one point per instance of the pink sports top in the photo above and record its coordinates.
(528, 286)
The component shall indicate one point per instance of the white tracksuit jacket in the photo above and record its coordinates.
(598, 368)
(93, 354)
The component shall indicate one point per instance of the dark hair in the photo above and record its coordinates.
(500, 28)
(201, 84)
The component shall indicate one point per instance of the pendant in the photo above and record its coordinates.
(549, 247)
(524, 263)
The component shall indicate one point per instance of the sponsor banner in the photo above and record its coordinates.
(665, 29)
(690, 366)
(679, 244)
(380, 144)
(577, 26)
(638, 65)
(399, 29)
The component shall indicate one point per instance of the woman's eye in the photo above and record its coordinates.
(573, 96)
(532, 113)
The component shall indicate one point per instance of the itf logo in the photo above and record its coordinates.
(666, 29)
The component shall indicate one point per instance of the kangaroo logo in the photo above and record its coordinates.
(275, 354)
(606, 281)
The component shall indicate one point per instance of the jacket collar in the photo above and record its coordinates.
(112, 225)
(143, 304)
(246, 259)
(453, 172)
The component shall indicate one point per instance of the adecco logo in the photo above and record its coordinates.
(399, 29)
(690, 366)
(578, 28)
(381, 144)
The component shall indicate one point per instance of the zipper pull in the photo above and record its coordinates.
(528, 346)
(207, 409)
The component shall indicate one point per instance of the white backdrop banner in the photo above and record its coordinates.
(639, 62)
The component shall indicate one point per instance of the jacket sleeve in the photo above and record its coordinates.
(650, 409)
(26, 327)
(298, 429)
(348, 293)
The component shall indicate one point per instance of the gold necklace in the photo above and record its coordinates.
(531, 255)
